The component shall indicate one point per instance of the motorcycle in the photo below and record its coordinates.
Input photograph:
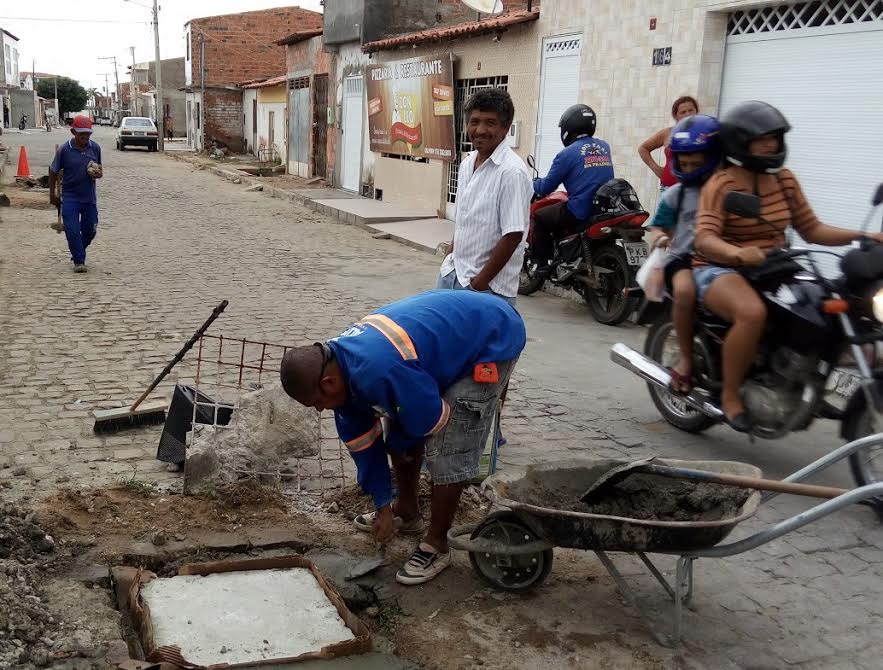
(812, 322)
(23, 122)
(598, 259)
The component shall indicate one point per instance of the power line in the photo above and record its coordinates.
(35, 18)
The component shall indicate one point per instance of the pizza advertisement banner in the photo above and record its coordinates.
(411, 107)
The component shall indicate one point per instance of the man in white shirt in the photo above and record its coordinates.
(493, 200)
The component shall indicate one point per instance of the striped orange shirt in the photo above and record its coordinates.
(782, 204)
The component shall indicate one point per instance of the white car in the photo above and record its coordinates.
(137, 131)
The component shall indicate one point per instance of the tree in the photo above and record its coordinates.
(71, 96)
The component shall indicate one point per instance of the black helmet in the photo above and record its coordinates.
(615, 197)
(577, 120)
(747, 121)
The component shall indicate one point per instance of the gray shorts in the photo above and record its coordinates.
(705, 275)
(453, 454)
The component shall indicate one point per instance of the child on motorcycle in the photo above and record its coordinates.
(696, 153)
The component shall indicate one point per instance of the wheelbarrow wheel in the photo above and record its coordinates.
(518, 573)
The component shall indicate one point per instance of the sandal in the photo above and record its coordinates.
(365, 523)
(679, 384)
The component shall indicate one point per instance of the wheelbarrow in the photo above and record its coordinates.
(512, 547)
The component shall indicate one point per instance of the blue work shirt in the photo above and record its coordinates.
(399, 361)
(76, 185)
(582, 167)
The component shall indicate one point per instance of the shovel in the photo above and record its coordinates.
(601, 488)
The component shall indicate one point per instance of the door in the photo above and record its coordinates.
(820, 65)
(320, 125)
(299, 126)
(254, 125)
(351, 165)
(559, 89)
(271, 132)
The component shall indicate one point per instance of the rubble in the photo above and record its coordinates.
(267, 432)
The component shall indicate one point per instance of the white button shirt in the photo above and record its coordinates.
(492, 201)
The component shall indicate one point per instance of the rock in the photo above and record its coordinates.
(372, 612)
(254, 188)
(19, 471)
(4, 200)
(268, 429)
(333, 508)
(62, 479)
(159, 538)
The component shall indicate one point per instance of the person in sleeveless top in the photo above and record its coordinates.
(681, 108)
(753, 139)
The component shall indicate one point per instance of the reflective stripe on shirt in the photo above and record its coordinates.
(365, 440)
(394, 333)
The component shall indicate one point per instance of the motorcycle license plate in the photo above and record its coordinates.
(635, 252)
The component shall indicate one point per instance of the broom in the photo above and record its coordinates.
(120, 418)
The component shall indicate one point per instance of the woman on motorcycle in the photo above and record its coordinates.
(696, 154)
(753, 138)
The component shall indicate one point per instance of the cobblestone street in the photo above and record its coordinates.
(173, 241)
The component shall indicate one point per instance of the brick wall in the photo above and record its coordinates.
(241, 47)
(223, 118)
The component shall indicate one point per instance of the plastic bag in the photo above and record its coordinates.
(651, 276)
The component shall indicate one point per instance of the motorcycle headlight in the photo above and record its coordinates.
(877, 304)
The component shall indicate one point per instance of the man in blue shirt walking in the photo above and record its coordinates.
(582, 166)
(80, 160)
(419, 379)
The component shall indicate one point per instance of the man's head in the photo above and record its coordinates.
(311, 376)
(489, 113)
(81, 129)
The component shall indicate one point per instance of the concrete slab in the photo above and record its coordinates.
(363, 211)
(373, 661)
(418, 233)
(326, 194)
(243, 617)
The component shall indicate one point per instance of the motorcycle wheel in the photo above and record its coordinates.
(528, 282)
(866, 465)
(662, 347)
(608, 302)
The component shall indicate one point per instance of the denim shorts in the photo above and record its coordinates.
(450, 281)
(453, 454)
(705, 275)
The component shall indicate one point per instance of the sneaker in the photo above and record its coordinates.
(425, 564)
(80, 267)
(365, 523)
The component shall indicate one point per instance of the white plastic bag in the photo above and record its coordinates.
(651, 277)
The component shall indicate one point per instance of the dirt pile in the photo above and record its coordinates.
(35, 632)
(267, 432)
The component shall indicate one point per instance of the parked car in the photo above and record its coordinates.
(137, 131)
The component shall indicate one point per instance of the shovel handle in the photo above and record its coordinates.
(741, 481)
(216, 312)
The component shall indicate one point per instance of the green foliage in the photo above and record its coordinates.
(71, 96)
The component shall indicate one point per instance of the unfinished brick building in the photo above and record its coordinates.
(224, 50)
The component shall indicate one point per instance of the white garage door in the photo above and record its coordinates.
(821, 63)
(559, 88)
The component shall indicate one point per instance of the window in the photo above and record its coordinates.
(188, 45)
(776, 18)
(8, 59)
(463, 89)
(198, 116)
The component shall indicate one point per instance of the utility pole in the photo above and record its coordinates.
(116, 76)
(134, 87)
(160, 108)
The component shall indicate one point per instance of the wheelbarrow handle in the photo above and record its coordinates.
(810, 490)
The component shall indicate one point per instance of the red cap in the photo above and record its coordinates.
(82, 124)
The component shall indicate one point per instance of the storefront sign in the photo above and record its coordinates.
(411, 107)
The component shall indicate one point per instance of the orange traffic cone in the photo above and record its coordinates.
(24, 168)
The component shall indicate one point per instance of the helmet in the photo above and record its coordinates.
(696, 134)
(747, 121)
(615, 197)
(577, 120)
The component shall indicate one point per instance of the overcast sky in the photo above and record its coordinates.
(59, 45)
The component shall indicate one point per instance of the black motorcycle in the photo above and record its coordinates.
(812, 323)
(598, 258)
(23, 122)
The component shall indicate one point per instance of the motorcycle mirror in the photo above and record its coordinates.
(745, 205)
(877, 200)
(531, 163)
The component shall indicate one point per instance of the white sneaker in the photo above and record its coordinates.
(425, 564)
(365, 523)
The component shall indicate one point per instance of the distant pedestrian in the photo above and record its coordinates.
(493, 199)
(80, 160)
(168, 126)
(681, 108)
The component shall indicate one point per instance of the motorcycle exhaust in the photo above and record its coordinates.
(650, 371)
